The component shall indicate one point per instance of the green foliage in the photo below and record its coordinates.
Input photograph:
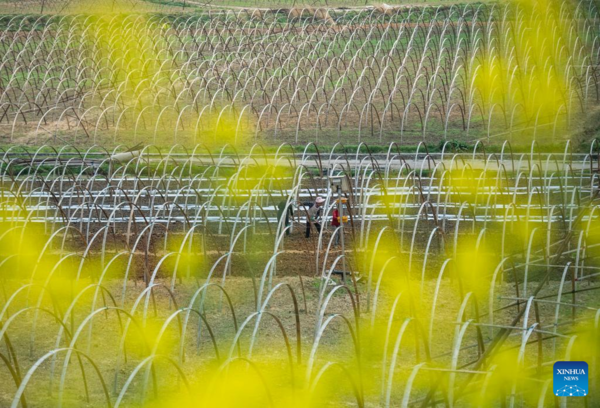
(454, 146)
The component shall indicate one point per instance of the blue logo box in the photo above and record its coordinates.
(571, 379)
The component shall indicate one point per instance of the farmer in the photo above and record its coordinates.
(281, 209)
(314, 213)
(335, 222)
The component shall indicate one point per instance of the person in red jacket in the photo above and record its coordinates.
(335, 222)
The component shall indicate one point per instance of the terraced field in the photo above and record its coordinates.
(409, 74)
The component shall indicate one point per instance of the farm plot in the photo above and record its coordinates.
(225, 205)
(166, 278)
(518, 71)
